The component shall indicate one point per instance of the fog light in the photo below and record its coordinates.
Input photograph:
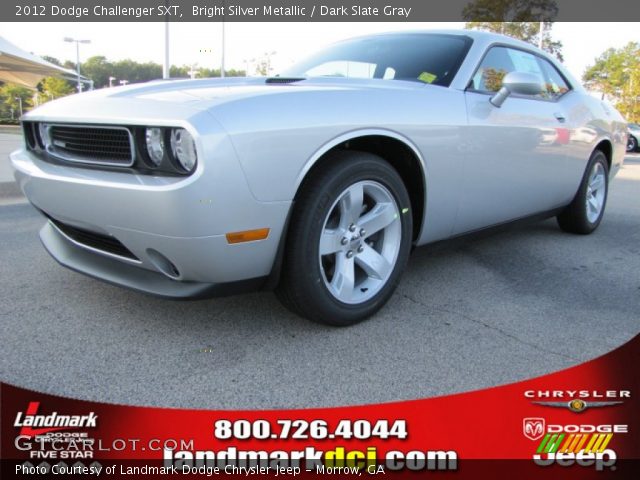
(155, 145)
(183, 148)
(163, 264)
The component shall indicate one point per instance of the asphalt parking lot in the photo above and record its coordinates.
(475, 313)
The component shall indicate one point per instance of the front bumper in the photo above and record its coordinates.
(142, 280)
(184, 219)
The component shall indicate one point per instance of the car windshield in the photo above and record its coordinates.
(427, 58)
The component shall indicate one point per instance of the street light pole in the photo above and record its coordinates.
(223, 35)
(20, 103)
(166, 68)
(77, 42)
(78, 66)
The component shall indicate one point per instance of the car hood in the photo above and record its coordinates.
(217, 90)
(184, 98)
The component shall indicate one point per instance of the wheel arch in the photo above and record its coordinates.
(392, 147)
(606, 147)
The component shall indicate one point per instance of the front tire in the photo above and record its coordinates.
(349, 240)
(584, 213)
(632, 144)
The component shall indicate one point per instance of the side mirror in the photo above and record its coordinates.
(520, 83)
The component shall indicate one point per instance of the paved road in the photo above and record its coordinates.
(8, 143)
(477, 313)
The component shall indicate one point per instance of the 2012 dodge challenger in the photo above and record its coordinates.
(317, 182)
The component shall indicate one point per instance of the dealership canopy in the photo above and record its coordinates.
(26, 69)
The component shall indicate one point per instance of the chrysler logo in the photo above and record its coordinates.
(533, 428)
(577, 405)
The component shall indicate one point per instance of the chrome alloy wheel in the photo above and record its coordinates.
(360, 242)
(596, 192)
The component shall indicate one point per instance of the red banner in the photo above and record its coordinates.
(577, 423)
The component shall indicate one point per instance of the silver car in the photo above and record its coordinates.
(317, 182)
(632, 138)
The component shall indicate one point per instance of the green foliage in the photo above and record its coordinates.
(184, 72)
(98, 69)
(53, 60)
(9, 95)
(616, 73)
(51, 88)
(508, 17)
(511, 11)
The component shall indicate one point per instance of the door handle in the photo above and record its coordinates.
(559, 117)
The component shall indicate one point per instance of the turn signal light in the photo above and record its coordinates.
(247, 235)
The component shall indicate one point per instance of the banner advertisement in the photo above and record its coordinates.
(577, 423)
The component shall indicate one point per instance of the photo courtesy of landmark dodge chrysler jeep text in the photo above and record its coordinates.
(319, 181)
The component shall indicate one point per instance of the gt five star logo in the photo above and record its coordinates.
(50, 423)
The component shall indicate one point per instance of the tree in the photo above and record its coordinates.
(616, 73)
(51, 88)
(525, 31)
(98, 69)
(53, 60)
(506, 11)
(513, 18)
(11, 96)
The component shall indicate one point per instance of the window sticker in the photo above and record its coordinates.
(427, 77)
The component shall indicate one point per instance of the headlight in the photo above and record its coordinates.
(183, 148)
(155, 145)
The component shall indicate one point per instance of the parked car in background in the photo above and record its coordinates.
(317, 182)
(634, 135)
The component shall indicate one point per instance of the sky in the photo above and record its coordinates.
(200, 43)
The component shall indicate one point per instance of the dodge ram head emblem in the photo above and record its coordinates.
(533, 428)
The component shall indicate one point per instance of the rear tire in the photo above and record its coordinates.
(348, 242)
(584, 213)
(632, 144)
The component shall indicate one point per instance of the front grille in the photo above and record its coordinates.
(29, 135)
(100, 145)
(94, 240)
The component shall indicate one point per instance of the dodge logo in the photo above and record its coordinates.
(533, 428)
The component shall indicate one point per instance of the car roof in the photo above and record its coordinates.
(478, 35)
(482, 40)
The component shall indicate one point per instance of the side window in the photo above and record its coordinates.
(496, 64)
(502, 60)
(555, 85)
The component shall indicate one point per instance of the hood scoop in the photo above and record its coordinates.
(284, 79)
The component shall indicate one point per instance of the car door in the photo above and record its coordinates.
(517, 162)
